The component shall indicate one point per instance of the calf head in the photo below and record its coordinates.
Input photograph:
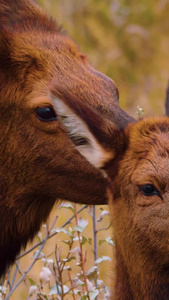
(135, 160)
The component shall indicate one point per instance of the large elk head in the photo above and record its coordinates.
(38, 162)
(135, 160)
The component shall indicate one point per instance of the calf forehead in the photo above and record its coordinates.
(149, 149)
(158, 157)
(149, 134)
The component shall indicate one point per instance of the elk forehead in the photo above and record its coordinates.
(54, 58)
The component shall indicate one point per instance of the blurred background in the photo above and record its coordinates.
(126, 40)
(129, 42)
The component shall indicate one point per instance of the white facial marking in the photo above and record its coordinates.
(78, 130)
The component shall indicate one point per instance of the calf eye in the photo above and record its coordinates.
(149, 190)
(46, 114)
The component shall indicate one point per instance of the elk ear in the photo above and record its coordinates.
(94, 137)
(20, 15)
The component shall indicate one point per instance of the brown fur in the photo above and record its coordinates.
(38, 163)
(140, 156)
(140, 223)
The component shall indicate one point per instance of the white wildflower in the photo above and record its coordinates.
(45, 275)
(89, 285)
(33, 290)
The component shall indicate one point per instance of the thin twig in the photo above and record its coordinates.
(30, 267)
(41, 244)
(27, 271)
(50, 235)
(81, 251)
(70, 279)
(15, 273)
(95, 240)
(59, 271)
(94, 232)
(55, 275)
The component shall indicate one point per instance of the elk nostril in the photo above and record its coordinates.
(46, 114)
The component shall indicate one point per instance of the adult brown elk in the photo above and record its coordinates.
(136, 161)
(38, 162)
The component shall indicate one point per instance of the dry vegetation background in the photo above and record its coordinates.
(129, 42)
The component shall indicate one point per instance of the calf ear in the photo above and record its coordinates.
(93, 136)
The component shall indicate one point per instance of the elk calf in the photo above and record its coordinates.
(38, 162)
(136, 162)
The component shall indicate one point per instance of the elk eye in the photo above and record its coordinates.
(149, 190)
(46, 114)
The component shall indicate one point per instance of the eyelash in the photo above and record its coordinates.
(149, 190)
